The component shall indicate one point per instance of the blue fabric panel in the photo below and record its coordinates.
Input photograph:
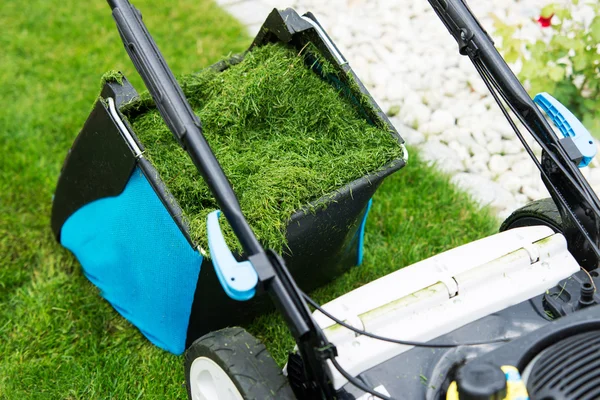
(130, 247)
(361, 233)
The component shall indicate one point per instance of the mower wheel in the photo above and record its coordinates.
(539, 212)
(231, 364)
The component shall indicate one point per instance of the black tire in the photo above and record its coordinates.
(245, 360)
(539, 212)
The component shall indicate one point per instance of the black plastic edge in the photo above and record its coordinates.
(288, 27)
(327, 253)
(98, 165)
(166, 198)
(347, 190)
(121, 91)
(521, 351)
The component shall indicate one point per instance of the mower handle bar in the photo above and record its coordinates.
(187, 129)
(179, 117)
(570, 191)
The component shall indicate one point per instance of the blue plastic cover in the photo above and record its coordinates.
(569, 126)
(132, 250)
(238, 279)
(361, 234)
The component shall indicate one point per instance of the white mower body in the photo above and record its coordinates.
(445, 292)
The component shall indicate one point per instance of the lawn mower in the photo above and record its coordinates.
(511, 316)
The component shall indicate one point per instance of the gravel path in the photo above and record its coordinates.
(410, 63)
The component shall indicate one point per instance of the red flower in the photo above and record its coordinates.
(545, 21)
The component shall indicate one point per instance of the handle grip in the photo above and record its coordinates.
(238, 279)
(153, 69)
(578, 137)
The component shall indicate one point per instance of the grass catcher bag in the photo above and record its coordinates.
(300, 139)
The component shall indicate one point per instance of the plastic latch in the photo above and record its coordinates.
(239, 279)
(578, 142)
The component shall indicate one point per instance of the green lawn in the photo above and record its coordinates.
(58, 338)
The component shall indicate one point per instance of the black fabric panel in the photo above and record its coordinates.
(98, 165)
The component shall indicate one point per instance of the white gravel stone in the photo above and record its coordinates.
(478, 167)
(491, 135)
(442, 120)
(594, 178)
(460, 150)
(513, 147)
(498, 164)
(478, 152)
(478, 109)
(462, 136)
(451, 87)
(435, 100)
(521, 199)
(523, 168)
(445, 158)
(454, 106)
(404, 55)
(415, 114)
(410, 135)
(585, 172)
(505, 213)
(396, 89)
(380, 76)
(495, 146)
(504, 129)
(532, 193)
(484, 190)
(510, 182)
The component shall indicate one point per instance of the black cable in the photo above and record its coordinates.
(538, 310)
(572, 173)
(397, 341)
(567, 174)
(356, 382)
(494, 90)
(573, 178)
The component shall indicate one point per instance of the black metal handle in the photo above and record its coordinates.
(474, 41)
(179, 117)
(577, 202)
(186, 127)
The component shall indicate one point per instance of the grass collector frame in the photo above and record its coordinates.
(113, 211)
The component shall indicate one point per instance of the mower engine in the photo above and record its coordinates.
(521, 285)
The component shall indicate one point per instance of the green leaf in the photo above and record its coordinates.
(563, 14)
(564, 44)
(533, 69)
(511, 56)
(580, 61)
(592, 123)
(539, 86)
(548, 11)
(593, 83)
(537, 49)
(595, 29)
(393, 111)
(556, 73)
(588, 106)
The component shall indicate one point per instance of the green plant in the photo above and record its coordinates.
(564, 63)
(58, 338)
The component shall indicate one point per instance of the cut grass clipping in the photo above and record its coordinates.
(284, 137)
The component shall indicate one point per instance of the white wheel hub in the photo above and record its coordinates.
(208, 381)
